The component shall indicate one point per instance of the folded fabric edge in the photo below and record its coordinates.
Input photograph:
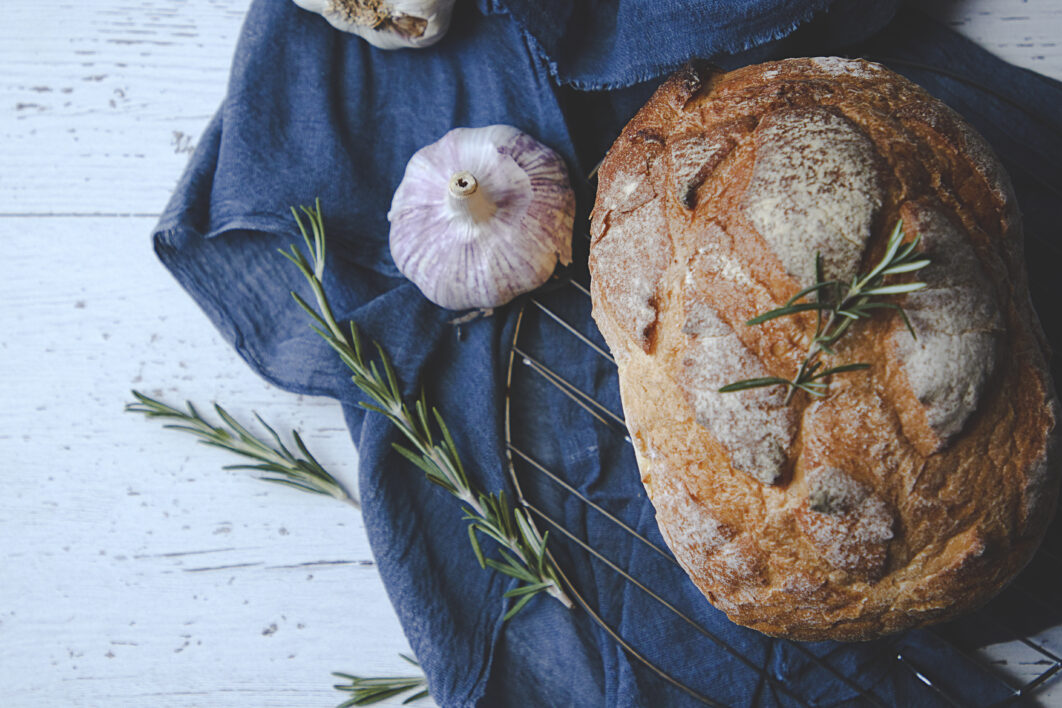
(649, 72)
(167, 238)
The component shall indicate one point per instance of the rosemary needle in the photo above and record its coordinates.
(275, 462)
(522, 549)
(365, 690)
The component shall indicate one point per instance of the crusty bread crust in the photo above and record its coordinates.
(912, 491)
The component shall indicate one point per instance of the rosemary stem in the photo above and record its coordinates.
(452, 476)
(557, 593)
(326, 309)
(555, 590)
(274, 462)
(856, 303)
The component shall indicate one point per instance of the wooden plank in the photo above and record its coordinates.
(102, 102)
(1023, 32)
(134, 569)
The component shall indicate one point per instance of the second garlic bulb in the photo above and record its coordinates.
(388, 24)
(481, 216)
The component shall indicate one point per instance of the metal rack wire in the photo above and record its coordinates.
(1003, 619)
(1014, 642)
(1003, 628)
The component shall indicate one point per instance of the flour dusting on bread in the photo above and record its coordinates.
(636, 248)
(692, 159)
(957, 322)
(706, 544)
(755, 425)
(839, 66)
(846, 522)
(815, 188)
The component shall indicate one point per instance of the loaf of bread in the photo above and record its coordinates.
(909, 491)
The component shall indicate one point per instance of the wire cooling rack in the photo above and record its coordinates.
(999, 641)
(1014, 643)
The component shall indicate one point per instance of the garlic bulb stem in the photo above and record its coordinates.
(388, 24)
(468, 200)
(463, 184)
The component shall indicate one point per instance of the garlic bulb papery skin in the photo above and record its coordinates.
(481, 216)
(387, 24)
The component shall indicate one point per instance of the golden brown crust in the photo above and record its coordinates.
(912, 491)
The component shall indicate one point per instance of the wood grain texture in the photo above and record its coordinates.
(134, 571)
(1023, 32)
(103, 106)
(134, 568)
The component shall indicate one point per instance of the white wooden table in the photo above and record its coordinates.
(133, 570)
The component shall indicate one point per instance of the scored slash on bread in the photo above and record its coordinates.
(912, 491)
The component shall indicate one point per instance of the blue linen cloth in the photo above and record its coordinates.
(311, 112)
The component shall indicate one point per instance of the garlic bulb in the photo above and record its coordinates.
(388, 24)
(481, 216)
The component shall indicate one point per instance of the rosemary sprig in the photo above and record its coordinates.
(275, 462)
(837, 306)
(522, 549)
(365, 691)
